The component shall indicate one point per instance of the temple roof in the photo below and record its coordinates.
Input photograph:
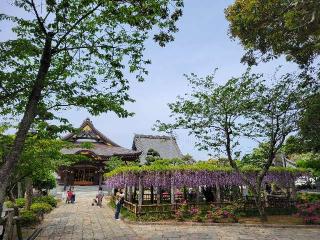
(166, 146)
(102, 146)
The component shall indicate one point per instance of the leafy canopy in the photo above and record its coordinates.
(310, 123)
(90, 46)
(269, 29)
(210, 110)
(40, 158)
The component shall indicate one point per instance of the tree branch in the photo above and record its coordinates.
(81, 47)
(76, 23)
(38, 17)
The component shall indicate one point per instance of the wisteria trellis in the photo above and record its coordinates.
(195, 176)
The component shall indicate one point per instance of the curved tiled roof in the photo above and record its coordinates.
(100, 149)
(166, 146)
(101, 145)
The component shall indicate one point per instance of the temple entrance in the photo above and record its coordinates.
(84, 176)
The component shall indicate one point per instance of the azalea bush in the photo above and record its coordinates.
(196, 214)
(182, 213)
(310, 212)
(219, 215)
(200, 174)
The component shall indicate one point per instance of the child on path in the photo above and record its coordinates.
(100, 196)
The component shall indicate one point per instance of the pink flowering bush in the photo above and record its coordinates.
(196, 214)
(219, 215)
(310, 212)
(182, 212)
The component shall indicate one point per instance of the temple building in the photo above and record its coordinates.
(165, 146)
(90, 172)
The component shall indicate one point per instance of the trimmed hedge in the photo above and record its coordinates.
(20, 202)
(28, 218)
(8, 204)
(46, 199)
(40, 208)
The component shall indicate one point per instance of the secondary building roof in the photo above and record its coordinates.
(166, 146)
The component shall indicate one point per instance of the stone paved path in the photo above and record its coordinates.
(82, 221)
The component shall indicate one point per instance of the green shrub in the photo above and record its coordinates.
(308, 197)
(8, 204)
(154, 217)
(46, 199)
(20, 202)
(28, 218)
(219, 215)
(40, 208)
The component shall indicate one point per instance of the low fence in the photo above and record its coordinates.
(166, 208)
(272, 202)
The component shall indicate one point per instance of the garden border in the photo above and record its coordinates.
(221, 224)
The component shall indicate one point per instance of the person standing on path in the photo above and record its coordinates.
(119, 202)
(100, 196)
(73, 196)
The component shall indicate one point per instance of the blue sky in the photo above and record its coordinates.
(201, 45)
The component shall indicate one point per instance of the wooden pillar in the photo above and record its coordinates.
(293, 190)
(197, 195)
(126, 192)
(172, 193)
(130, 194)
(152, 194)
(135, 193)
(158, 189)
(218, 196)
(140, 197)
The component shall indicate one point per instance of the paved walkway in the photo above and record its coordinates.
(83, 221)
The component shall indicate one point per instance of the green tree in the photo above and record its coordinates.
(40, 159)
(152, 155)
(74, 53)
(269, 29)
(310, 123)
(218, 115)
(295, 144)
(310, 161)
(257, 157)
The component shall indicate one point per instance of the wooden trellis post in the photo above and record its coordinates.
(130, 194)
(197, 195)
(158, 189)
(140, 196)
(218, 197)
(173, 194)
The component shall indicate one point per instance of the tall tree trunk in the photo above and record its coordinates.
(218, 195)
(260, 205)
(12, 158)
(29, 193)
(20, 194)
